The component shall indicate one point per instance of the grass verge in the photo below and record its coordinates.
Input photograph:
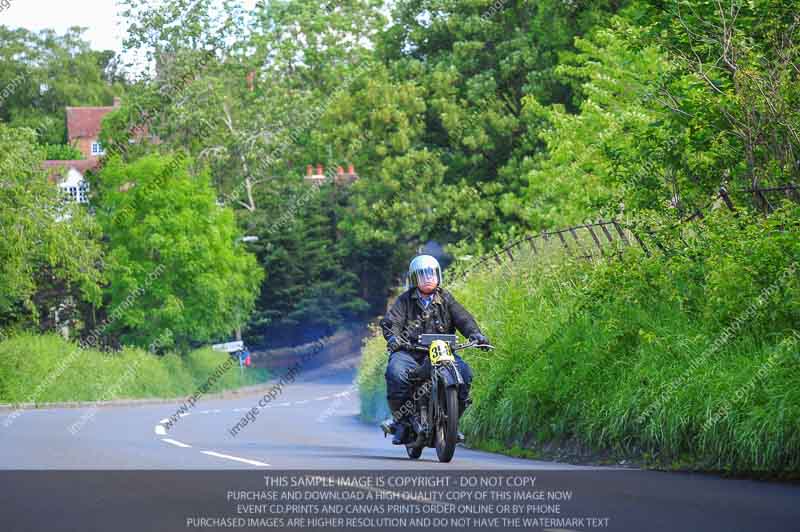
(683, 360)
(47, 368)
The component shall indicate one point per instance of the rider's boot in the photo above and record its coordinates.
(399, 427)
(400, 433)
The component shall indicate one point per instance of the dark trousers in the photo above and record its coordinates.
(397, 385)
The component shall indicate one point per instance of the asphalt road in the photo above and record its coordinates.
(313, 425)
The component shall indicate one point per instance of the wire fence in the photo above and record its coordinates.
(590, 240)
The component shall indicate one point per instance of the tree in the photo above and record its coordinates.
(312, 288)
(175, 250)
(478, 61)
(738, 87)
(618, 152)
(42, 73)
(49, 248)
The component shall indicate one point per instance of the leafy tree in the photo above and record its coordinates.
(470, 123)
(175, 249)
(312, 286)
(49, 248)
(45, 72)
(738, 89)
(616, 153)
(479, 60)
(671, 110)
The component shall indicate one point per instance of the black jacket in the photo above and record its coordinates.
(407, 318)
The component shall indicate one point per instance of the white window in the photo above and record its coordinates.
(83, 192)
(97, 149)
(74, 187)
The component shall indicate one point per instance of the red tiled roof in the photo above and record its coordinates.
(57, 169)
(85, 121)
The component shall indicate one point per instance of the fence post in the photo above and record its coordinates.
(594, 237)
(532, 240)
(621, 233)
(605, 230)
(763, 200)
(723, 193)
(641, 242)
(563, 241)
(586, 254)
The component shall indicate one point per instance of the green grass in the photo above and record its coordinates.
(370, 379)
(47, 368)
(614, 355)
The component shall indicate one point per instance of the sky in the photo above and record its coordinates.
(99, 16)
(105, 31)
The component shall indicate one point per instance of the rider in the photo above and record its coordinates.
(425, 308)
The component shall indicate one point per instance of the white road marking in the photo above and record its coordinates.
(165, 420)
(284, 404)
(216, 411)
(175, 442)
(241, 409)
(160, 430)
(183, 415)
(236, 458)
(322, 398)
(304, 401)
(204, 412)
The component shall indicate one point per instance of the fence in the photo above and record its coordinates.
(589, 240)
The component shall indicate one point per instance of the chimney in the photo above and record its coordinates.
(251, 77)
(315, 178)
(117, 101)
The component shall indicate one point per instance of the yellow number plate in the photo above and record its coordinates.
(440, 352)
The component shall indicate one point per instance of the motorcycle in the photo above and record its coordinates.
(436, 409)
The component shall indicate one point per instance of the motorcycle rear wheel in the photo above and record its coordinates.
(447, 425)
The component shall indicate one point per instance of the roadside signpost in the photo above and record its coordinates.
(229, 347)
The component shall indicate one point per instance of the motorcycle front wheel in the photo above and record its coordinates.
(447, 424)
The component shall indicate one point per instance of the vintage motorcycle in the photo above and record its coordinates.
(434, 418)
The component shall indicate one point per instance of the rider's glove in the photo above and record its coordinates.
(396, 344)
(479, 339)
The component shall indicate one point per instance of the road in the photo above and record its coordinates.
(313, 425)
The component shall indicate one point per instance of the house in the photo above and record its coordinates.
(83, 128)
(69, 177)
(83, 131)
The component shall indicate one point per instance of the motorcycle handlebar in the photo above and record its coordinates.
(473, 344)
(458, 347)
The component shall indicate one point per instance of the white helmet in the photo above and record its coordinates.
(423, 267)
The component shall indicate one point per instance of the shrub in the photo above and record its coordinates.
(47, 368)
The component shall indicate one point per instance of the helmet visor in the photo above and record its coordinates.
(424, 276)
